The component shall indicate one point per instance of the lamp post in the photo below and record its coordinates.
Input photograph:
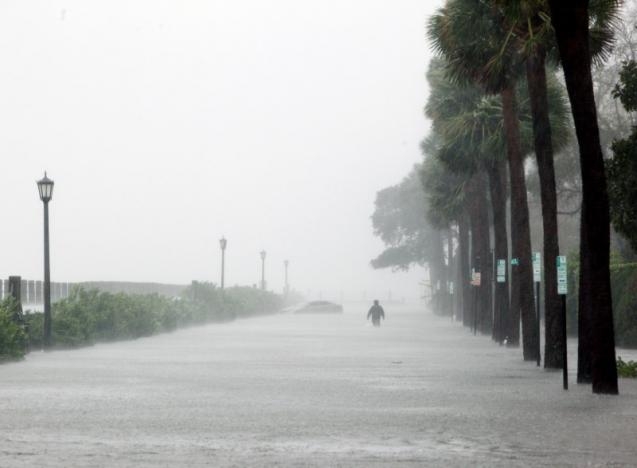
(223, 242)
(45, 187)
(286, 263)
(262, 270)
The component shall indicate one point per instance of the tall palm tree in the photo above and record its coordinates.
(445, 193)
(469, 34)
(446, 101)
(570, 19)
(529, 20)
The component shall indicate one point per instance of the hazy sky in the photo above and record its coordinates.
(167, 124)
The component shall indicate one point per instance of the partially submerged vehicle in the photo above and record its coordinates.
(320, 307)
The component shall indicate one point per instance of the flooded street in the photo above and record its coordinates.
(308, 390)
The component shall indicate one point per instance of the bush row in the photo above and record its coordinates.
(13, 339)
(623, 278)
(90, 316)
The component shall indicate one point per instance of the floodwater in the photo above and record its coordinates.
(308, 390)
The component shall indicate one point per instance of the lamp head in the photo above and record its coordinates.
(45, 187)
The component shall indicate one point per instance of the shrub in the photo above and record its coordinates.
(13, 338)
(89, 316)
(626, 369)
(623, 278)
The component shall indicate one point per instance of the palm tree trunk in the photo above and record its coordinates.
(584, 320)
(479, 215)
(437, 271)
(458, 279)
(464, 287)
(501, 248)
(570, 21)
(485, 319)
(554, 319)
(520, 231)
(450, 272)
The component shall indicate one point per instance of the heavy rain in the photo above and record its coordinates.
(318, 233)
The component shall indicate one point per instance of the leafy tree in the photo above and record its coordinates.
(622, 168)
(400, 220)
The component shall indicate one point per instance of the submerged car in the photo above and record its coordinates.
(321, 307)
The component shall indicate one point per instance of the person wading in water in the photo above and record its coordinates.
(376, 312)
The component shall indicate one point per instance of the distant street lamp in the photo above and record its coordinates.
(286, 263)
(262, 269)
(223, 242)
(45, 187)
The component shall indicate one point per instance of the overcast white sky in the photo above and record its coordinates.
(167, 124)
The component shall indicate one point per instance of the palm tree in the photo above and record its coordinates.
(570, 20)
(469, 34)
(445, 193)
(475, 124)
(530, 22)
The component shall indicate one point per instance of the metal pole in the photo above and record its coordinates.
(537, 306)
(223, 267)
(263, 272)
(492, 291)
(564, 351)
(475, 310)
(47, 280)
(287, 285)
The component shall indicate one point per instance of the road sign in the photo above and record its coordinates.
(562, 280)
(501, 270)
(476, 279)
(515, 261)
(537, 267)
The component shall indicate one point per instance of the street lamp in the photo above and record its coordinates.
(45, 187)
(223, 242)
(262, 269)
(286, 263)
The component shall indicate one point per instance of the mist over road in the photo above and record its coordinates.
(308, 390)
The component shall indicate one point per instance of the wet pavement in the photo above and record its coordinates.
(308, 390)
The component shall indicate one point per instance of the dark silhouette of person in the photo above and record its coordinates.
(376, 312)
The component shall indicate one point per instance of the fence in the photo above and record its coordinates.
(31, 292)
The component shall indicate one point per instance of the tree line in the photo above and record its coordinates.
(512, 87)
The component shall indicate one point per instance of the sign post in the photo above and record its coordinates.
(537, 278)
(477, 278)
(562, 289)
(501, 271)
(500, 291)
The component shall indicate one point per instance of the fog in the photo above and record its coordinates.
(167, 125)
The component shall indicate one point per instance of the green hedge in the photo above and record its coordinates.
(13, 338)
(626, 369)
(623, 278)
(90, 316)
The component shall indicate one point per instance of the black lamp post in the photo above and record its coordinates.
(286, 263)
(45, 187)
(223, 242)
(262, 269)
